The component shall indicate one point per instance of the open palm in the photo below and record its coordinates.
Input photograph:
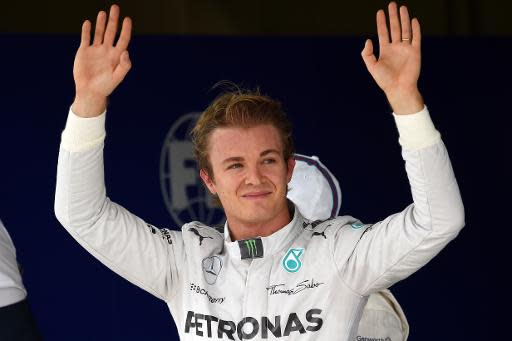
(398, 66)
(101, 66)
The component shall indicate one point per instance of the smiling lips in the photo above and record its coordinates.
(256, 195)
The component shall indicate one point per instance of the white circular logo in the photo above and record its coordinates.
(185, 196)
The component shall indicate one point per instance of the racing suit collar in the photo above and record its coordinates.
(276, 242)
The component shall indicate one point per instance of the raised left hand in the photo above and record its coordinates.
(397, 69)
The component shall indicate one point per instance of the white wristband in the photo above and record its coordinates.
(416, 130)
(83, 133)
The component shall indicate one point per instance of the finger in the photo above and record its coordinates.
(416, 33)
(126, 33)
(367, 54)
(406, 24)
(394, 23)
(122, 68)
(110, 33)
(86, 34)
(382, 28)
(100, 28)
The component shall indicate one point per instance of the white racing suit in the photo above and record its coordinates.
(307, 281)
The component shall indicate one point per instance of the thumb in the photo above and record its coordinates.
(123, 67)
(368, 57)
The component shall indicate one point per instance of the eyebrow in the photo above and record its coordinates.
(233, 159)
(239, 158)
(269, 151)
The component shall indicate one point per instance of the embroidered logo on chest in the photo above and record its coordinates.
(211, 269)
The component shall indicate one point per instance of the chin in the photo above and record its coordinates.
(255, 216)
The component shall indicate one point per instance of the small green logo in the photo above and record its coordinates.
(291, 261)
(251, 247)
(357, 225)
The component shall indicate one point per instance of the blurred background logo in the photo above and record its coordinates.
(185, 196)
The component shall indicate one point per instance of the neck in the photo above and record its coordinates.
(240, 230)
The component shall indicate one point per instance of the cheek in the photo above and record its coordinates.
(228, 186)
(278, 177)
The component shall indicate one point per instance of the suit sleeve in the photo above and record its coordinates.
(394, 248)
(146, 256)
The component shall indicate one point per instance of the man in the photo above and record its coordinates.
(268, 273)
(16, 320)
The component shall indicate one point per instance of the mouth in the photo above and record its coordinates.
(256, 195)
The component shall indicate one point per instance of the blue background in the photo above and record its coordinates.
(338, 113)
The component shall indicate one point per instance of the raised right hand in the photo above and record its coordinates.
(99, 68)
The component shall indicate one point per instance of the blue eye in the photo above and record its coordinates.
(235, 165)
(268, 161)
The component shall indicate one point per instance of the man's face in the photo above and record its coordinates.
(250, 173)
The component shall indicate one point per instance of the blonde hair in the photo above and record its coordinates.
(239, 108)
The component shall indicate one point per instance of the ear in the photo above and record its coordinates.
(291, 166)
(207, 181)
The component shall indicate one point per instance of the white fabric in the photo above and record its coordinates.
(11, 286)
(82, 133)
(416, 130)
(314, 189)
(383, 319)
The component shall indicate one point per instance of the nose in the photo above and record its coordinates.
(254, 176)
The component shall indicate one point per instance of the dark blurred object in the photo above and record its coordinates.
(17, 323)
(229, 17)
